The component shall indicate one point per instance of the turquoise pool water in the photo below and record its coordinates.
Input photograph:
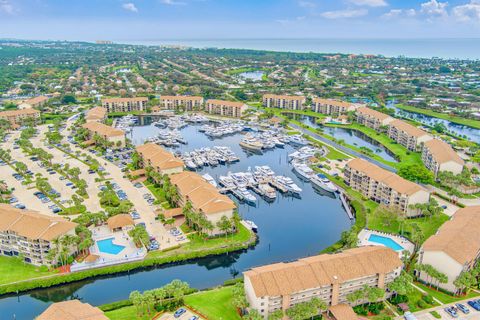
(107, 246)
(385, 241)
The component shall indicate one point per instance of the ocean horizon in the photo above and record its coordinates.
(448, 48)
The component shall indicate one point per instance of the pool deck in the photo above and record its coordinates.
(365, 234)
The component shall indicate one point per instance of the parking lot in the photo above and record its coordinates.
(426, 315)
(187, 315)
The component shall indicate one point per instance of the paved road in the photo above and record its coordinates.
(342, 148)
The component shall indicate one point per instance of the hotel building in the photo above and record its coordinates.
(328, 277)
(372, 118)
(18, 117)
(125, 104)
(333, 107)
(115, 136)
(98, 114)
(225, 108)
(187, 103)
(30, 233)
(454, 248)
(383, 186)
(283, 101)
(439, 156)
(407, 135)
(161, 160)
(204, 197)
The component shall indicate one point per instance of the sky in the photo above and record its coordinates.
(148, 20)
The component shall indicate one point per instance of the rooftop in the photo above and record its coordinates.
(97, 113)
(408, 128)
(226, 103)
(286, 97)
(103, 129)
(159, 157)
(373, 113)
(12, 113)
(72, 310)
(442, 152)
(136, 99)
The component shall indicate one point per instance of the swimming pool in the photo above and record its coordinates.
(387, 242)
(107, 246)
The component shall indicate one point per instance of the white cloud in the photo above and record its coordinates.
(399, 13)
(434, 8)
(369, 3)
(130, 7)
(468, 12)
(306, 4)
(344, 14)
(290, 21)
(173, 2)
(6, 7)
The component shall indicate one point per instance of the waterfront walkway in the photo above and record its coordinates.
(342, 148)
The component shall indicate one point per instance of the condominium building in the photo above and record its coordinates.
(204, 197)
(115, 136)
(328, 277)
(125, 104)
(454, 248)
(225, 108)
(30, 233)
(372, 118)
(188, 103)
(33, 102)
(384, 187)
(72, 310)
(283, 101)
(439, 156)
(333, 107)
(18, 117)
(159, 159)
(407, 135)
(98, 114)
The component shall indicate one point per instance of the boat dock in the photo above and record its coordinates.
(346, 205)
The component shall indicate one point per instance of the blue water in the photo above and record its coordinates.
(252, 75)
(107, 246)
(387, 242)
(416, 48)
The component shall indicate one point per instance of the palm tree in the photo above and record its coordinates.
(225, 225)
(276, 315)
(136, 299)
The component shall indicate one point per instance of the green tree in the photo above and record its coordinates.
(416, 172)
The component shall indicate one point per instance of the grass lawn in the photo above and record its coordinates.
(198, 242)
(467, 122)
(444, 297)
(127, 313)
(13, 269)
(413, 299)
(214, 304)
(156, 190)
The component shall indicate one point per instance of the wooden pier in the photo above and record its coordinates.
(346, 205)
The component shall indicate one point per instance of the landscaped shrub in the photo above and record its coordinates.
(398, 299)
(427, 298)
(361, 310)
(435, 314)
(115, 305)
(376, 308)
(422, 304)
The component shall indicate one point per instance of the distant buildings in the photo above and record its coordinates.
(98, 114)
(187, 103)
(329, 277)
(204, 197)
(407, 135)
(18, 117)
(33, 102)
(454, 248)
(125, 104)
(439, 156)
(115, 137)
(72, 310)
(333, 107)
(159, 159)
(383, 186)
(225, 108)
(30, 233)
(283, 101)
(372, 118)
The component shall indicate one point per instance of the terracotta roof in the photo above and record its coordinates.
(442, 152)
(12, 113)
(180, 98)
(333, 102)
(36, 100)
(172, 213)
(373, 113)
(159, 157)
(137, 99)
(120, 221)
(459, 237)
(32, 224)
(226, 103)
(103, 129)
(72, 310)
(408, 128)
(97, 113)
(343, 312)
(388, 178)
(325, 269)
(285, 97)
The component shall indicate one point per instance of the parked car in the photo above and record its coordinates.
(194, 318)
(462, 308)
(179, 312)
(451, 311)
(20, 206)
(409, 316)
(474, 305)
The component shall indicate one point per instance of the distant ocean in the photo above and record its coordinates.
(415, 48)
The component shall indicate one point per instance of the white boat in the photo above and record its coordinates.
(321, 181)
(251, 225)
(226, 181)
(210, 179)
(267, 191)
(247, 195)
(303, 170)
(289, 184)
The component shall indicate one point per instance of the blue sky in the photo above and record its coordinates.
(191, 19)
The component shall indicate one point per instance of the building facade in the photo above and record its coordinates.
(283, 101)
(407, 135)
(225, 108)
(328, 277)
(18, 117)
(333, 107)
(373, 119)
(439, 156)
(384, 187)
(187, 103)
(125, 104)
(30, 233)
(116, 137)
(454, 248)
(159, 159)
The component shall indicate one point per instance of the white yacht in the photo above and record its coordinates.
(289, 184)
(303, 170)
(210, 179)
(321, 181)
(247, 195)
